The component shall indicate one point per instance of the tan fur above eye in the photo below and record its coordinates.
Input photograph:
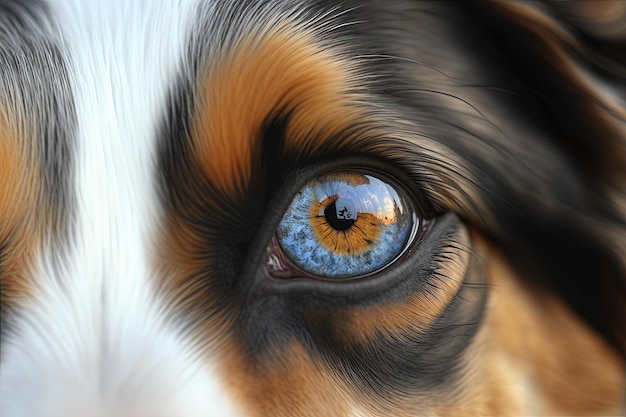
(277, 70)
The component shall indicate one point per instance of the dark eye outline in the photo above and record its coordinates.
(280, 265)
(255, 276)
(415, 264)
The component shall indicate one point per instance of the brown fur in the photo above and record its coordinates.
(546, 358)
(413, 314)
(281, 68)
(20, 222)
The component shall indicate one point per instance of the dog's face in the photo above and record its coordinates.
(293, 208)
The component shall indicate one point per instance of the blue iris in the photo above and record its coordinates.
(346, 224)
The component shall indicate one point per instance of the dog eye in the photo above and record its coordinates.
(347, 224)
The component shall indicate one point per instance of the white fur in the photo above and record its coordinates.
(95, 340)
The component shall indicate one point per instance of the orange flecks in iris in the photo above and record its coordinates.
(356, 239)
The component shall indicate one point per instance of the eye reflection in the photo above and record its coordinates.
(346, 224)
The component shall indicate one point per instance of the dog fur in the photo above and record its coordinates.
(149, 150)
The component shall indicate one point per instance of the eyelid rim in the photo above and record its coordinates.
(419, 228)
(416, 264)
(254, 275)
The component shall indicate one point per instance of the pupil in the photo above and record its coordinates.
(340, 217)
